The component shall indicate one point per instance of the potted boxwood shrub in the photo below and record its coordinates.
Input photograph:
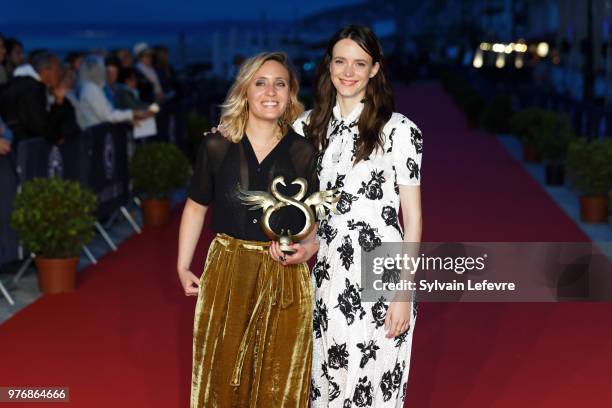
(157, 169)
(552, 138)
(589, 167)
(497, 114)
(54, 219)
(524, 125)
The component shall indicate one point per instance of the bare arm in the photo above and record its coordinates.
(410, 200)
(397, 320)
(192, 222)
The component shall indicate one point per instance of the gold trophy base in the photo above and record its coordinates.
(285, 242)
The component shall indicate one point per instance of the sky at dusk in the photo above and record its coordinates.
(159, 11)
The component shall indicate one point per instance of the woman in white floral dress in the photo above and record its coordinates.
(373, 157)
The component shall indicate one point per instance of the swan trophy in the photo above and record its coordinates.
(270, 202)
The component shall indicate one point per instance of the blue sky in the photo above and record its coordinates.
(158, 10)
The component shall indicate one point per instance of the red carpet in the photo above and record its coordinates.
(494, 354)
(124, 338)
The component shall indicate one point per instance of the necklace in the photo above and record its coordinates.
(262, 150)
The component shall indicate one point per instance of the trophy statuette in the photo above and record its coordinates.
(270, 202)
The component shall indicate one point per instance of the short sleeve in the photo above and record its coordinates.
(407, 151)
(201, 188)
(301, 122)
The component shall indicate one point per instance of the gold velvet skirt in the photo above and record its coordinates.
(252, 338)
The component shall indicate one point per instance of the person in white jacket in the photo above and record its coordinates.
(93, 106)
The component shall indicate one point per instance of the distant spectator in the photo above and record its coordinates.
(165, 72)
(148, 82)
(124, 56)
(74, 59)
(25, 104)
(126, 95)
(69, 126)
(6, 137)
(112, 73)
(94, 108)
(14, 55)
(3, 73)
(5, 147)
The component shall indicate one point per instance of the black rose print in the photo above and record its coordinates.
(397, 374)
(319, 165)
(390, 149)
(325, 372)
(346, 252)
(320, 319)
(368, 352)
(391, 381)
(315, 392)
(401, 339)
(369, 239)
(386, 386)
(326, 231)
(321, 271)
(339, 183)
(349, 302)
(417, 139)
(316, 323)
(347, 403)
(395, 185)
(334, 390)
(355, 145)
(345, 202)
(413, 167)
(379, 312)
(389, 216)
(363, 393)
(337, 356)
(373, 188)
(335, 125)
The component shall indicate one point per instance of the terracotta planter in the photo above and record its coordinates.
(155, 212)
(530, 153)
(594, 209)
(56, 275)
(555, 174)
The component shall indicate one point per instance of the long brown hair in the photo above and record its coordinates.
(378, 101)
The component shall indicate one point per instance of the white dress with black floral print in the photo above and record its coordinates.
(354, 364)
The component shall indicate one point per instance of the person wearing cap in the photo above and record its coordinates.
(149, 86)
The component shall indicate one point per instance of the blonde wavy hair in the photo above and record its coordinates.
(235, 110)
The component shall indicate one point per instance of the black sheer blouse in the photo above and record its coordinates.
(222, 167)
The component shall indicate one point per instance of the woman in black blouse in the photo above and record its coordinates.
(253, 321)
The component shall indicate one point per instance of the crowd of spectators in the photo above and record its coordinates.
(41, 95)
